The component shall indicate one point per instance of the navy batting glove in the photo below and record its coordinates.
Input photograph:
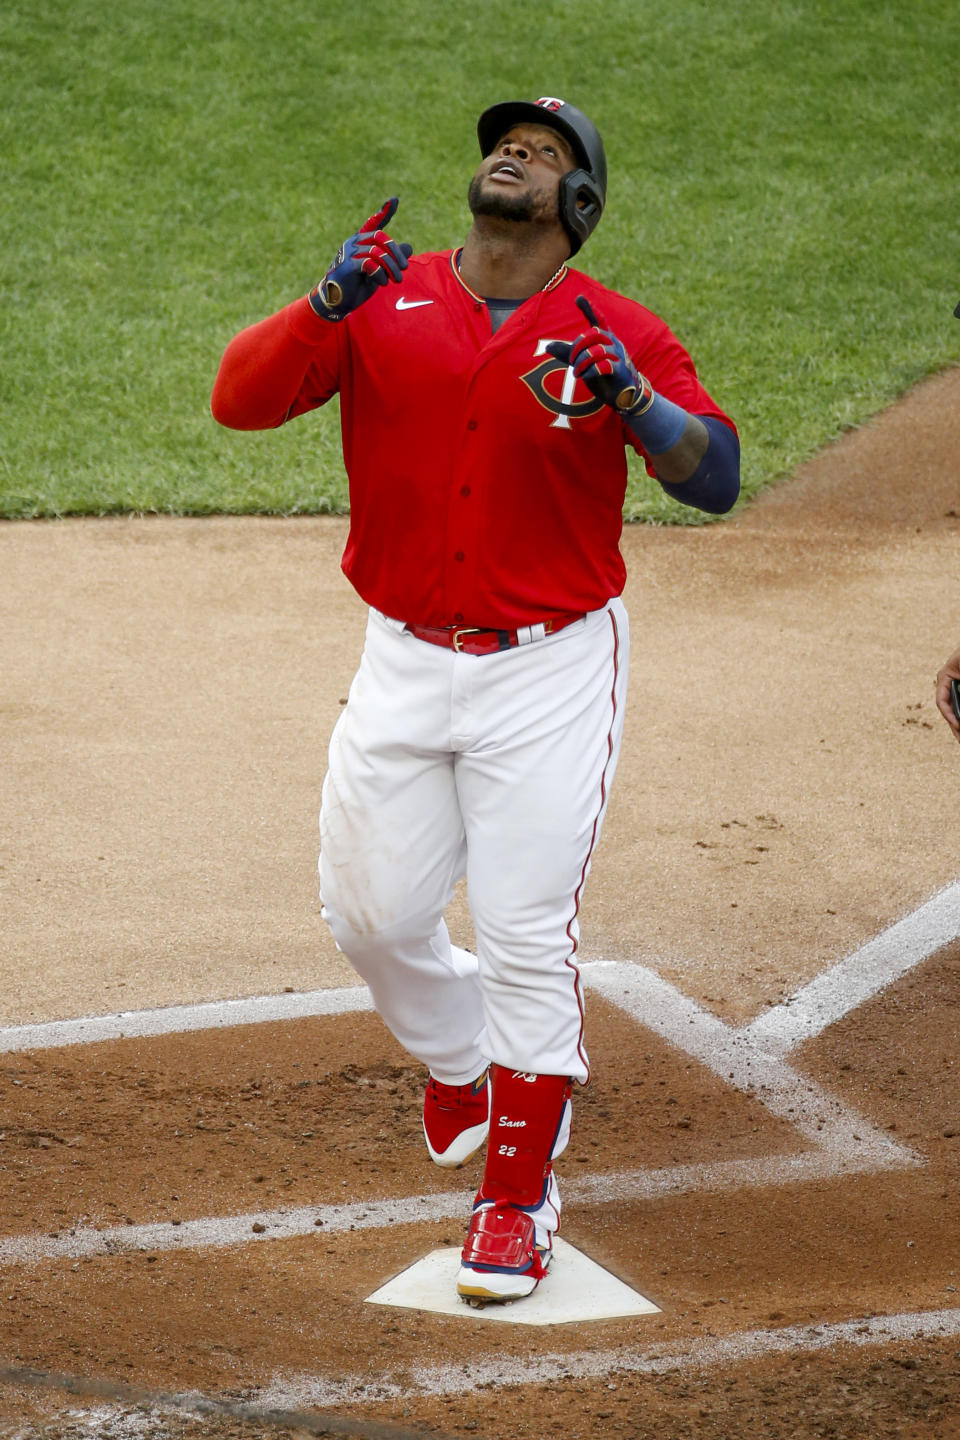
(366, 261)
(601, 362)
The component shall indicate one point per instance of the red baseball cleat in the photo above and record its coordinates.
(501, 1259)
(456, 1119)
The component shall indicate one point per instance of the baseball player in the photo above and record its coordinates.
(488, 394)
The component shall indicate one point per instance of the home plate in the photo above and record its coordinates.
(575, 1289)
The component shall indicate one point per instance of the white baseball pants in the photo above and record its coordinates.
(497, 766)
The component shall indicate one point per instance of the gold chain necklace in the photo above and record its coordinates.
(555, 278)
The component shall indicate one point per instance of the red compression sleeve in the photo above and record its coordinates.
(268, 368)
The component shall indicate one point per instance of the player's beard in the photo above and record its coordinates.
(523, 205)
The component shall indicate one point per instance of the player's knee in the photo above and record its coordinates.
(360, 931)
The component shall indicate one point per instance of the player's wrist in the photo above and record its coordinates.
(657, 423)
(326, 300)
(636, 397)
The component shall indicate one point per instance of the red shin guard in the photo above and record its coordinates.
(525, 1115)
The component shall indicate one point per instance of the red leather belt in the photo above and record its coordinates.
(477, 640)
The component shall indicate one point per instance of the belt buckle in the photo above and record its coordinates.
(455, 635)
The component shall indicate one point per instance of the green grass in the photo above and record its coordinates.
(783, 191)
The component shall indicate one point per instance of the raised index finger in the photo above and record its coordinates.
(592, 317)
(383, 216)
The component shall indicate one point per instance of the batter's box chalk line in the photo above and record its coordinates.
(837, 1139)
(699, 1354)
(114, 1418)
(282, 1401)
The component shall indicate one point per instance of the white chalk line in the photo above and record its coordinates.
(855, 980)
(703, 1353)
(287, 1395)
(823, 1001)
(217, 1231)
(840, 1133)
(180, 1019)
(222, 1231)
(843, 1141)
(657, 1005)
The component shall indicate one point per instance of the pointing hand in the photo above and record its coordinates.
(366, 261)
(600, 360)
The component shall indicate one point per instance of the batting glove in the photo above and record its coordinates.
(599, 359)
(363, 263)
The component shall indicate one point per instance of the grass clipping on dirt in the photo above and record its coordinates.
(782, 192)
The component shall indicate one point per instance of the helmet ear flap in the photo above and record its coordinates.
(581, 201)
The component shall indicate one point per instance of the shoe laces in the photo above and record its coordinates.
(450, 1097)
(447, 1097)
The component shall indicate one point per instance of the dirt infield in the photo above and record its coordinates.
(770, 1156)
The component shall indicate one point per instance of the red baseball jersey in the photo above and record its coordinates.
(486, 483)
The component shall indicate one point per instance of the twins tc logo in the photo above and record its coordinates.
(561, 405)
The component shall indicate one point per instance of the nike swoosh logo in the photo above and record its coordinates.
(411, 304)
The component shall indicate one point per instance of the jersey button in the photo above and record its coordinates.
(464, 490)
(471, 424)
(459, 617)
(459, 555)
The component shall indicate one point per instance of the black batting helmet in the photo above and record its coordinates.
(582, 191)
